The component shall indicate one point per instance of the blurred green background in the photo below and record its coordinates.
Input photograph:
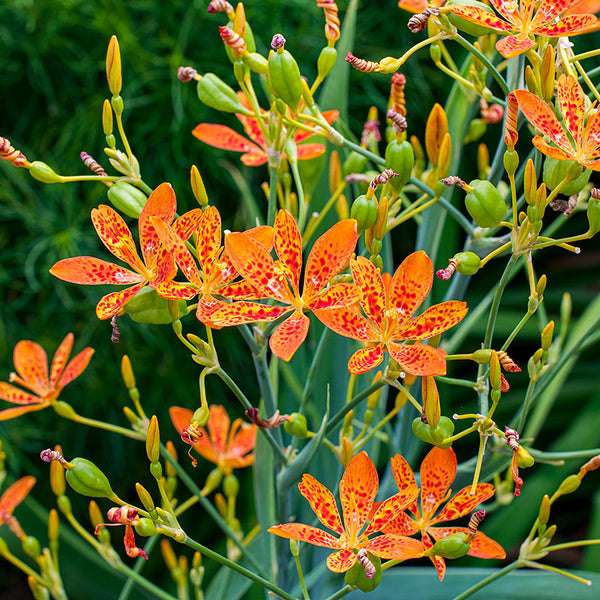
(53, 85)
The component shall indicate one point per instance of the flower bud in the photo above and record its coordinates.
(569, 485)
(212, 481)
(42, 172)
(326, 61)
(431, 400)
(127, 372)
(145, 527)
(107, 118)
(64, 504)
(153, 440)
(231, 486)
(62, 409)
(53, 526)
(113, 66)
(57, 475)
(31, 547)
(544, 514)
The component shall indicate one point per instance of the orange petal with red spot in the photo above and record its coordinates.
(413, 6)
(433, 321)
(322, 502)
(348, 322)
(263, 234)
(552, 151)
(187, 223)
(59, 360)
(288, 246)
(358, 489)
(218, 426)
(571, 101)
(115, 234)
(253, 159)
(438, 561)
(369, 280)
(88, 270)
(310, 150)
(240, 290)
(111, 304)
(175, 290)
(329, 255)
(305, 533)
(242, 438)
(463, 502)
(395, 547)
(365, 359)
(254, 263)
(438, 471)
(411, 284)
(590, 139)
(404, 476)
(239, 313)
(161, 205)
(76, 367)
(479, 16)
(289, 335)
(220, 136)
(481, 545)
(548, 10)
(11, 413)
(569, 25)
(337, 296)
(31, 363)
(209, 238)
(418, 359)
(340, 562)
(13, 394)
(16, 493)
(507, 9)
(401, 524)
(514, 45)
(389, 509)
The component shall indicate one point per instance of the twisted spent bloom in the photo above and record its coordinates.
(358, 489)
(31, 365)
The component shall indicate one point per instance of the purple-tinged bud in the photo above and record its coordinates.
(277, 42)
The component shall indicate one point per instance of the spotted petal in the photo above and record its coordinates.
(479, 16)
(395, 547)
(433, 321)
(288, 337)
(571, 101)
(288, 246)
(17, 411)
(542, 117)
(514, 45)
(552, 151)
(115, 234)
(220, 136)
(481, 545)
(242, 439)
(187, 223)
(340, 562)
(310, 150)
(76, 367)
(337, 296)
(209, 238)
(59, 360)
(218, 427)
(305, 533)
(463, 502)
(88, 270)
(438, 562)
(401, 524)
(239, 313)
(404, 477)
(438, 471)
(418, 359)
(590, 138)
(548, 10)
(322, 502)
(31, 363)
(161, 205)
(16, 493)
(111, 304)
(389, 509)
(347, 322)
(329, 255)
(369, 280)
(509, 9)
(358, 488)
(13, 394)
(365, 359)
(569, 25)
(411, 284)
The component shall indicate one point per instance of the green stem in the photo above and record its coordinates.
(108, 427)
(481, 584)
(534, 565)
(342, 592)
(238, 569)
(301, 577)
(272, 206)
(571, 545)
(515, 331)
(139, 565)
(300, 189)
(339, 416)
(572, 455)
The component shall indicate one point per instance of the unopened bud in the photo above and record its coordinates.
(113, 66)
(544, 514)
(569, 485)
(127, 372)
(153, 440)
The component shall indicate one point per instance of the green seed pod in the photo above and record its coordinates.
(400, 157)
(145, 527)
(127, 199)
(354, 163)
(31, 547)
(212, 481)
(326, 61)
(482, 357)
(484, 203)
(452, 546)
(231, 486)
(284, 76)
(468, 263)
(444, 429)
(257, 63)
(422, 430)
(357, 574)
(364, 212)
(464, 25)
(593, 215)
(42, 172)
(148, 307)
(511, 161)
(297, 426)
(556, 170)
(214, 92)
(88, 480)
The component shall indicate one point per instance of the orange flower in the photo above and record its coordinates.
(418, 6)
(157, 265)
(438, 471)
(255, 152)
(216, 273)
(581, 140)
(228, 445)
(358, 489)
(526, 19)
(389, 304)
(31, 364)
(280, 280)
(13, 496)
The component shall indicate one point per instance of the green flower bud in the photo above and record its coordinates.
(88, 480)
(468, 263)
(153, 440)
(284, 76)
(231, 486)
(63, 409)
(452, 546)
(524, 459)
(126, 198)
(257, 63)
(148, 307)
(64, 504)
(484, 203)
(464, 25)
(511, 161)
(556, 170)
(31, 547)
(326, 61)
(357, 574)
(569, 485)
(444, 429)
(144, 496)
(42, 172)
(482, 357)
(212, 481)
(400, 157)
(214, 92)
(297, 426)
(544, 510)
(354, 163)
(145, 527)
(364, 212)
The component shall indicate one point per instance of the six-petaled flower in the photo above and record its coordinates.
(157, 264)
(358, 489)
(389, 304)
(438, 471)
(31, 365)
(255, 152)
(581, 139)
(526, 18)
(280, 280)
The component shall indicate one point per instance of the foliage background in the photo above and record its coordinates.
(53, 84)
